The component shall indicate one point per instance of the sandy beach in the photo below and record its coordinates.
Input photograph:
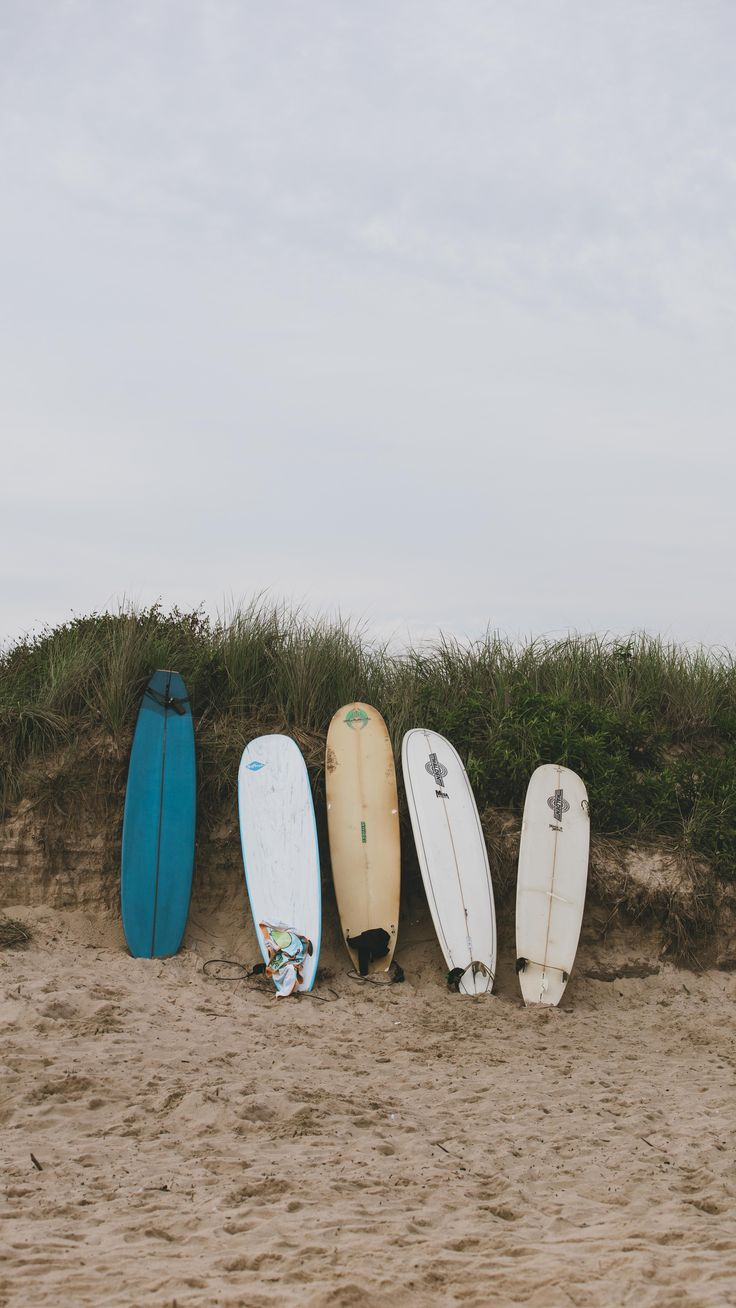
(197, 1142)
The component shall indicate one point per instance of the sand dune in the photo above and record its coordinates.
(203, 1144)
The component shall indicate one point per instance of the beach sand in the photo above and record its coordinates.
(201, 1143)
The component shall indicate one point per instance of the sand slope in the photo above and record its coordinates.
(203, 1144)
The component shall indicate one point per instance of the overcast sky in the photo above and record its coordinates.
(420, 310)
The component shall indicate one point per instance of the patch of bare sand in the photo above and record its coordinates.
(202, 1144)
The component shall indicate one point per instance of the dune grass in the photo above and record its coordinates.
(650, 726)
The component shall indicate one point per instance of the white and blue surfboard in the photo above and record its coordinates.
(278, 835)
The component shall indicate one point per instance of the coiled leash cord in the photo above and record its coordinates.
(258, 971)
(393, 976)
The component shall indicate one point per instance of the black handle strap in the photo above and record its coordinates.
(175, 702)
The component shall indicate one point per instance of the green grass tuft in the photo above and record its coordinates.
(649, 726)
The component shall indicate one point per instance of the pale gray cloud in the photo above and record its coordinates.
(419, 311)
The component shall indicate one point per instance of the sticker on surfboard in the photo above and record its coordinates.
(356, 718)
(558, 804)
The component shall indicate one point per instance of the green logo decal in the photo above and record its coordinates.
(362, 832)
(356, 717)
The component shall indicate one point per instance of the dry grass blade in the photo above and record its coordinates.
(13, 933)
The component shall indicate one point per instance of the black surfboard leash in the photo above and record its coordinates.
(258, 970)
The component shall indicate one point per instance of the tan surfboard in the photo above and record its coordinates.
(363, 826)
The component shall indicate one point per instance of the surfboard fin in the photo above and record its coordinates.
(546, 967)
(456, 975)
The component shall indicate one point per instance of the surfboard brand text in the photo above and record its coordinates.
(436, 770)
(558, 804)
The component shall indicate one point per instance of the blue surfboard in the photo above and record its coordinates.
(159, 821)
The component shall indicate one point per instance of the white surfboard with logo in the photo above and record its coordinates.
(553, 874)
(279, 839)
(452, 858)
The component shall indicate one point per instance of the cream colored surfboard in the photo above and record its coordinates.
(363, 826)
(553, 874)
